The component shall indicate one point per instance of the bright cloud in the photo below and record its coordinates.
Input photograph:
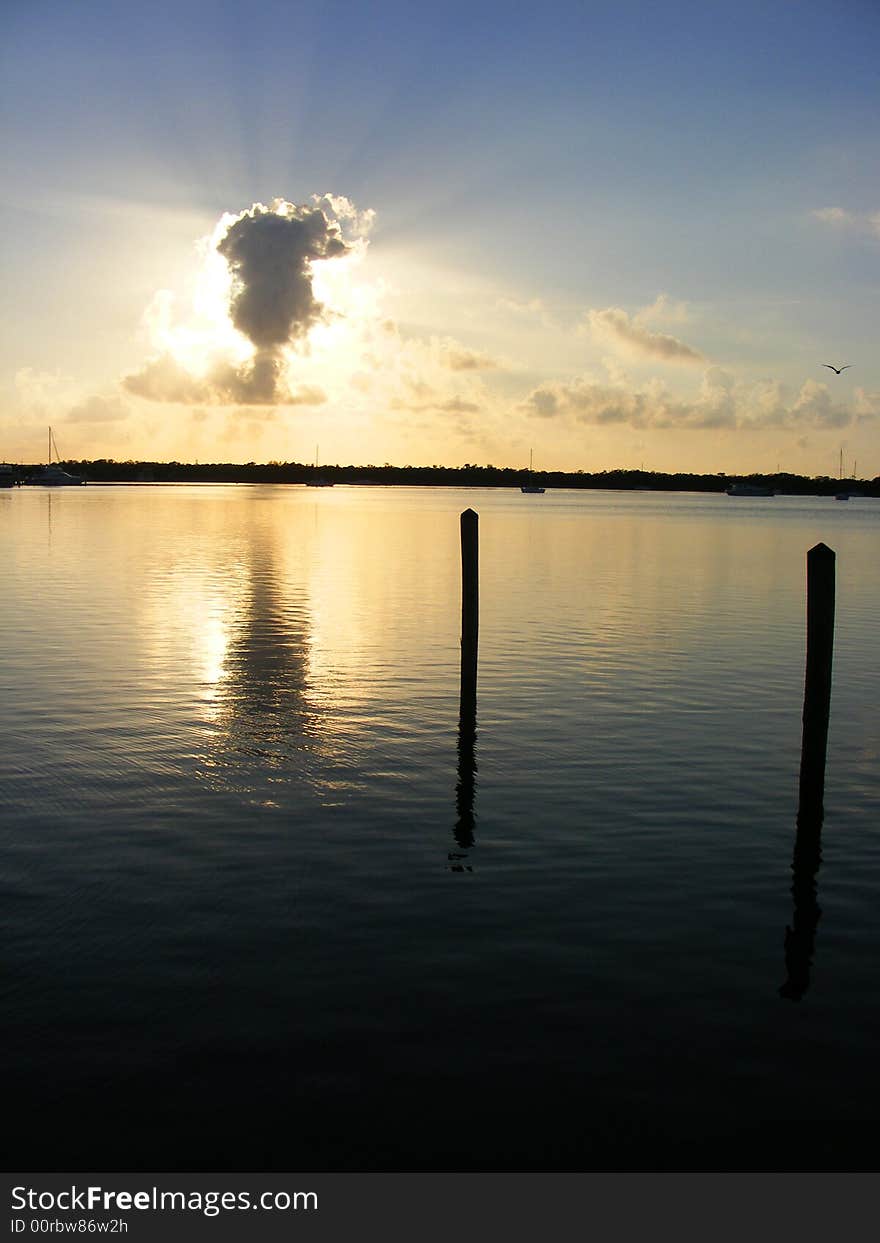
(338, 207)
(630, 336)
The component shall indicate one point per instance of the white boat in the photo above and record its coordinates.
(53, 474)
(532, 488)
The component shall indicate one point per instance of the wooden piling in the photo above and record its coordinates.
(470, 602)
(467, 704)
(800, 935)
(817, 683)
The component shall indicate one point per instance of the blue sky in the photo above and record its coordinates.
(554, 189)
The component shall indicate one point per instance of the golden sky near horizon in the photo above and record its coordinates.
(232, 251)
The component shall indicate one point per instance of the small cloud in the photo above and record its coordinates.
(534, 307)
(663, 310)
(422, 398)
(419, 388)
(814, 406)
(455, 405)
(458, 358)
(716, 403)
(306, 395)
(164, 379)
(244, 423)
(250, 416)
(545, 403)
(834, 216)
(614, 326)
(866, 404)
(98, 410)
(338, 207)
(42, 392)
(854, 222)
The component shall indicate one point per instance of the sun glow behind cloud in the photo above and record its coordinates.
(195, 335)
(342, 351)
(253, 307)
(379, 354)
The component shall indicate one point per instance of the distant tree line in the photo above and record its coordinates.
(106, 470)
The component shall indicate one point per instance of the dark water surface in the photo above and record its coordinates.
(260, 912)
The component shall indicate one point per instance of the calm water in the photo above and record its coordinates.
(261, 912)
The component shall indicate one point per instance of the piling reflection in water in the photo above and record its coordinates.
(467, 771)
(800, 935)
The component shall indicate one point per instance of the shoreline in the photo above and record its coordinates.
(105, 471)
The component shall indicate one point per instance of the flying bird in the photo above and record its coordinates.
(837, 370)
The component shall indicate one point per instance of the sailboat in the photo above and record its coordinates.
(318, 482)
(529, 486)
(53, 475)
(847, 492)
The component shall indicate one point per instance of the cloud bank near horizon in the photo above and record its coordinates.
(722, 402)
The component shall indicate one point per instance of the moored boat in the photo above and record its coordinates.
(53, 474)
(530, 486)
(319, 481)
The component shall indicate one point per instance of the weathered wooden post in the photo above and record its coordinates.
(800, 935)
(817, 684)
(467, 705)
(470, 601)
